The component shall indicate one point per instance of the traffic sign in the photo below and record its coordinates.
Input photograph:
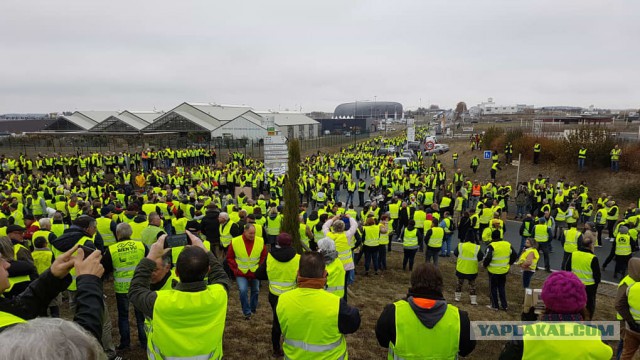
(487, 154)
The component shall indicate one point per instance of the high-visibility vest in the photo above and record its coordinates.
(394, 210)
(188, 325)
(384, 238)
(581, 266)
(633, 297)
(588, 346)
(410, 239)
(414, 340)
(137, 228)
(525, 255)
(273, 225)
(150, 234)
(500, 260)
(302, 229)
(41, 233)
(83, 240)
(615, 214)
(342, 247)
(627, 280)
(372, 235)
(74, 211)
(309, 322)
(582, 154)
(571, 240)
(7, 319)
(437, 235)
(476, 190)
(125, 256)
(623, 244)
(58, 229)
(104, 228)
(541, 233)
(247, 262)
(615, 154)
(180, 225)
(42, 259)
(282, 275)
(225, 233)
(18, 218)
(561, 215)
(14, 280)
(335, 277)
(467, 262)
(420, 217)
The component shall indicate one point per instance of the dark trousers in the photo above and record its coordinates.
(591, 299)
(526, 278)
(409, 257)
(361, 198)
(122, 301)
(536, 157)
(276, 332)
(382, 257)
(544, 248)
(370, 255)
(497, 284)
(610, 225)
(599, 229)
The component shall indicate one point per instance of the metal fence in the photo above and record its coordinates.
(45, 144)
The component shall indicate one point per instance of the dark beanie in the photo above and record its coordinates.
(284, 240)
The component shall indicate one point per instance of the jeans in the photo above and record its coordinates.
(497, 283)
(432, 255)
(520, 210)
(446, 244)
(243, 287)
(523, 239)
(276, 331)
(615, 166)
(580, 164)
(543, 248)
(349, 198)
(122, 301)
(526, 278)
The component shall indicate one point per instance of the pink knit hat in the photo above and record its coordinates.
(564, 293)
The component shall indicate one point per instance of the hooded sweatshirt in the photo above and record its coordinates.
(429, 307)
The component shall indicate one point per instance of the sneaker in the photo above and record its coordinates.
(247, 317)
(612, 239)
(598, 246)
(492, 308)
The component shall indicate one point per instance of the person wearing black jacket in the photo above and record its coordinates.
(526, 230)
(428, 306)
(34, 301)
(282, 253)
(211, 226)
(463, 226)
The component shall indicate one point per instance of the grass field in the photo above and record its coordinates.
(246, 340)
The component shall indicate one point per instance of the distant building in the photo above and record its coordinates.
(293, 125)
(369, 110)
(340, 126)
(491, 108)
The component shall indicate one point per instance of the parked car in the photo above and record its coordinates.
(401, 161)
(413, 145)
(408, 154)
(347, 133)
(437, 149)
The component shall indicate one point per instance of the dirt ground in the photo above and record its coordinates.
(251, 339)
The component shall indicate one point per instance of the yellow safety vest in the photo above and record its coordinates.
(623, 244)
(335, 278)
(571, 240)
(548, 348)
(541, 233)
(282, 275)
(188, 325)
(437, 235)
(627, 280)
(83, 240)
(410, 240)
(581, 266)
(467, 262)
(273, 225)
(247, 262)
(500, 260)
(416, 341)
(342, 247)
(137, 228)
(7, 319)
(309, 322)
(104, 228)
(225, 233)
(372, 235)
(525, 255)
(125, 256)
(42, 259)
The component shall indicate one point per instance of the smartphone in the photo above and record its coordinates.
(87, 250)
(176, 241)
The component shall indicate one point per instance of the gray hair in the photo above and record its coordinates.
(45, 223)
(123, 231)
(6, 248)
(327, 247)
(223, 215)
(338, 226)
(49, 338)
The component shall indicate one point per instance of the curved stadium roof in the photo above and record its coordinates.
(367, 109)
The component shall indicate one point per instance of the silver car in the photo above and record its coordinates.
(437, 149)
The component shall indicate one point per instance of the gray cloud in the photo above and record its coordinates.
(67, 55)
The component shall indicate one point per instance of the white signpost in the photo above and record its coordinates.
(411, 130)
(276, 154)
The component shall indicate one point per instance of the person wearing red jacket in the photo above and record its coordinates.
(243, 260)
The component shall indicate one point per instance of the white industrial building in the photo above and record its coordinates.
(293, 124)
(489, 107)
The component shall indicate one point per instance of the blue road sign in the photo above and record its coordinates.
(487, 154)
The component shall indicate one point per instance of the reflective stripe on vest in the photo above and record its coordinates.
(437, 235)
(125, 256)
(541, 233)
(282, 275)
(335, 278)
(623, 244)
(342, 247)
(467, 262)
(371, 235)
(571, 240)
(581, 266)
(225, 233)
(500, 259)
(247, 262)
(410, 239)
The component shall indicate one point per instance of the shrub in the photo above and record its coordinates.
(491, 138)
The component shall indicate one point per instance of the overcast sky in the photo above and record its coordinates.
(137, 55)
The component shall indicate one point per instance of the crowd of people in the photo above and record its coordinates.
(174, 227)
